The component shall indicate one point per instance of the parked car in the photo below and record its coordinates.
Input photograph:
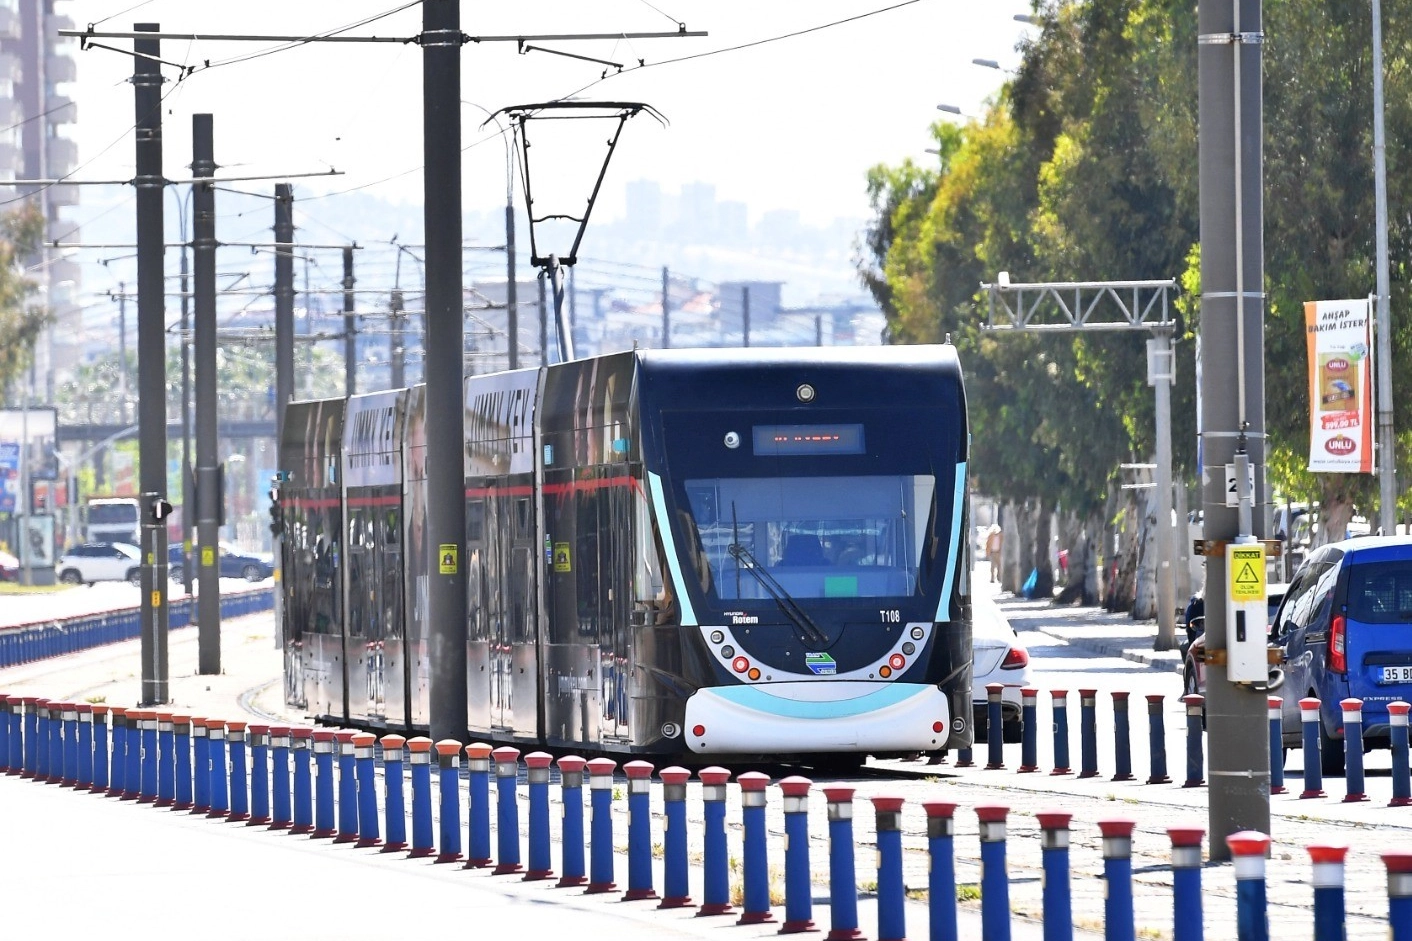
(9, 567)
(997, 656)
(233, 564)
(100, 562)
(1343, 631)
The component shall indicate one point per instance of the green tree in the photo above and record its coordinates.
(21, 319)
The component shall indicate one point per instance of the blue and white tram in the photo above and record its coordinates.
(756, 552)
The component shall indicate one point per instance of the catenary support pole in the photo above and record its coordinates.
(350, 325)
(284, 303)
(1387, 452)
(208, 479)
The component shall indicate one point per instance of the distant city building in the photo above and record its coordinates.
(34, 63)
(644, 208)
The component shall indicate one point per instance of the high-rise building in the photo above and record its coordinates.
(34, 64)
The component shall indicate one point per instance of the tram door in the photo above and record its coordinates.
(615, 537)
(522, 711)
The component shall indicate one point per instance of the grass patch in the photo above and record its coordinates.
(968, 892)
(12, 588)
(95, 700)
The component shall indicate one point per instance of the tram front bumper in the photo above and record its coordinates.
(804, 717)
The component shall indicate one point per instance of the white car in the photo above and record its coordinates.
(997, 656)
(100, 562)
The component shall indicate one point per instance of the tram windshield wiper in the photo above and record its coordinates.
(807, 630)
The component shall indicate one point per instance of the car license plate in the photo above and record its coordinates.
(1397, 675)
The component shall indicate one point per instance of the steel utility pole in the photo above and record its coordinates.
(151, 361)
(398, 354)
(446, 502)
(543, 323)
(208, 475)
(188, 479)
(284, 304)
(512, 289)
(1232, 389)
(1387, 456)
(350, 332)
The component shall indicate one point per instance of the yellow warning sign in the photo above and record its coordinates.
(562, 562)
(208, 556)
(448, 557)
(1247, 572)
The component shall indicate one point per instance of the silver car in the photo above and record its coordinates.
(100, 562)
(998, 656)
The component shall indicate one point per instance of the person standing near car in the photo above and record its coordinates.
(994, 542)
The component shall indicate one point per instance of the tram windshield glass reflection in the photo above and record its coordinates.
(818, 537)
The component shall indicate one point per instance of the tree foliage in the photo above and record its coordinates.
(21, 318)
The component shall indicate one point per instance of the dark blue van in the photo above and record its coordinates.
(1345, 629)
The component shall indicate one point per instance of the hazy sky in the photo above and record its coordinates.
(793, 123)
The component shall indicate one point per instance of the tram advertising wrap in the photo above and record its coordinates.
(749, 552)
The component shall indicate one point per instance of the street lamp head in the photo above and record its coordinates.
(1027, 18)
(949, 109)
(987, 64)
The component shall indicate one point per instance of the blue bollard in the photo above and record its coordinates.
(119, 749)
(181, 757)
(280, 812)
(892, 892)
(419, 762)
(1329, 912)
(200, 766)
(600, 862)
(1353, 750)
(1313, 767)
(301, 751)
(259, 775)
(166, 760)
(571, 841)
(1195, 757)
(1397, 731)
(395, 805)
(42, 745)
(1088, 733)
(216, 752)
(1275, 705)
(965, 757)
(1029, 731)
(1118, 919)
(239, 788)
(347, 787)
(367, 790)
(29, 706)
(941, 877)
(798, 892)
(1399, 895)
(1187, 914)
(1054, 852)
(1122, 738)
(69, 778)
(676, 889)
(448, 762)
(843, 879)
(324, 813)
(100, 749)
(478, 756)
(84, 776)
(639, 774)
(715, 881)
(507, 811)
(1157, 740)
(537, 784)
(994, 727)
(4, 733)
(1248, 850)
(1060, 707)
(132, 767)
(16, 752)
(51, 744)
(147, 788)
(995, 883)
(754, 856)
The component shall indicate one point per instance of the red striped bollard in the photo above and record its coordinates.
(448, 761)
(181, 745)
(16, 753)
(1399, 894)
(29, 713)
(639, 774)
(84, 777)
(147, 757)
(994, 727)
(419, 761)
(325, 817)
(892, 892)
(1122, 738)
(395, 803)
(216, 753)
(1248, 851)
(1029, 731)
(166, 757)
(755, 863)
(1088, 733)
(1329, 912)
(600, 795)
(507, 811)
(259, 775)
(571, 838)
(995, 883)
(478, 760)
(798, 890)
(1275, 705)
(1353, 750)
(279, 777)
(118, 766)
(239, 795)
(1397, 732)
(347, 787)
(1057, 895)
(941, 877)
(1118, 918)
(843, 880)
(1187, 924)
(540, 865)
(1060, 708)
(676, 889)
(4, 734)
(100, 750)
(70, 719)
(1195, 757)
(1313, 763)
(368, 834)
(1157, 740)
(715, 859)
(300, 750)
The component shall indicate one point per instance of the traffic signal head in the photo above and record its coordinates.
(276, 515)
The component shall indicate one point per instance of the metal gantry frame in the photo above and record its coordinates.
(1107, 306)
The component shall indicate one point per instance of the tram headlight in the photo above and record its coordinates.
(728, 651)
(909, 648)
(732, 440)
(917, 633)
(717, 637)
(805, 392)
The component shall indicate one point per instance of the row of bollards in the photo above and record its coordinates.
(149, 758)
(1194, 706)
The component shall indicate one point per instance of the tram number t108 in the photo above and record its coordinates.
(891, 616)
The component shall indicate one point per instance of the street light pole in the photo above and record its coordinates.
(1387, 457)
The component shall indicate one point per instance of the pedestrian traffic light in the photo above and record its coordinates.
(276, 516)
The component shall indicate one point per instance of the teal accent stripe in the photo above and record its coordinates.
(669, 544)
(752, 697)
(941, 606)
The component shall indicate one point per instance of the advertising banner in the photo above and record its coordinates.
(9, 476)
(1340, 335)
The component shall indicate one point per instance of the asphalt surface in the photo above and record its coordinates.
(235, 881)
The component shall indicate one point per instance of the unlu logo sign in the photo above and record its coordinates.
(1337, 365)
(1340, 445)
